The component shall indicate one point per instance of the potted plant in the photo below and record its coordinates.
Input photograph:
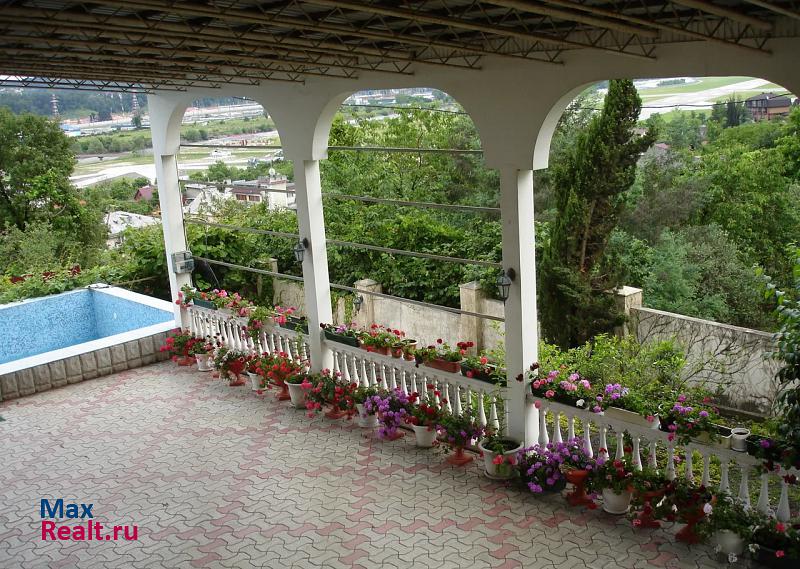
(728, 524)
(329, 389)
(458, 432)
(614, 479)
(499, 455)
(255, 372)
(402, 346)
(687, 421)
(425, 416)
(343, 333)
(278, 369)
(391, 408)
(482, 369)
(203, 352)
(178, 344)
(257, 320)
(739, 439)
(684, 501)
(441, 356)
(649, 485)
(577, 466)
(378, 339)
(285, 318)
(367, 420)
(539, 467)
(298, 385)
(621, 404)
(567, 388)
(774, 543)
(231, 364)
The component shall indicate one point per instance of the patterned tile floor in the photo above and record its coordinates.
(219, 477)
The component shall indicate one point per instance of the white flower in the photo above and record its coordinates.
(674, 508)
(718, 548)
(732, 558)
(753, 547)
(707, 509)
(580, 403)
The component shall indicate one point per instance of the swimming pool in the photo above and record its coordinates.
(77, 335)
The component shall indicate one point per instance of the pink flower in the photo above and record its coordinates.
(497, 460)
(779, 553)
(780, 527)
(549, 393)
(536, 384)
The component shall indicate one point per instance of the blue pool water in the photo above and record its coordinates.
(63, 320)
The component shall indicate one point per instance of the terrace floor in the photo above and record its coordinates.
(215, 476)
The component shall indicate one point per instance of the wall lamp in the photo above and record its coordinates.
(504, 283)
(300, 250)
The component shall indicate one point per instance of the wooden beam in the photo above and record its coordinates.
(654, 23)
(777, 9)
(724, 12)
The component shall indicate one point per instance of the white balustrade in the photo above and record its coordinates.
(599, 427)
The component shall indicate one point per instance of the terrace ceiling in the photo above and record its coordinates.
(151, 45)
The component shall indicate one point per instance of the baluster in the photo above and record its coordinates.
(433, 392)
(468, 399)
(637, 459)
(493, 421)
(783, 513)
(724, 480)
(763, 496)
(620, 445)
(744, 486)
(571, 427)
(481, 403)
(403, 384)
(652, 461)
(603, 440)
(342, 358)
(447, 404)
(671, 461)
(457, 401)
(381, 370)
(362, 366)
(587, 438)
(544, 436)
(688, 471)
(557, 428)
(706, 469)
(531, 423)
(392, 377)
(414, 382)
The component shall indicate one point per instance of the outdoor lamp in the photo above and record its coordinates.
(300, 250)
(358, 301)
(504, 283)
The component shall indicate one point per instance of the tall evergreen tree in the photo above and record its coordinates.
(589, 185)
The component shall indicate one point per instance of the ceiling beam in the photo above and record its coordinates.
(654, 23)
(29, 82)
(777, 9)
(419, 16)
(724, 12)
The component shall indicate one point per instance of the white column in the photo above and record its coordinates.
(521, 322)
(165, 120)
(311, 223)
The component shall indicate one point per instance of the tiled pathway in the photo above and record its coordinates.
(215, 476)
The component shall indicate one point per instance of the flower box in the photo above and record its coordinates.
(382, 350)
(295, 324)
(724, 434)
(204, 304)
(480, 374)
(444, 365)
(341, 338)
(615, 413)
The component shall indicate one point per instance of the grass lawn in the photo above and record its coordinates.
(701, 84)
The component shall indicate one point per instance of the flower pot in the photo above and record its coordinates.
(578, 496)
(199, 302)
(186, 361)
(297, 395)
(479, 374)
(425, 435)
(335, 413)
(615, 413)
(616, 504)
(687, 533)
(728, 542)
(283, 393)
(205, 362)
(459, 457)
(383, 350)
(739, 439)
(341, 339)
(255, 381)
(444, 365)
(504, 471)
(645, 518)
(724, 435)
(235, 380)
(366, 420)
(295, 324)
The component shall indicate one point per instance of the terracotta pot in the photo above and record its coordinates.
(425, 435)
(384, 351)
(283, 394)
(186, 361)
(335, 413)
(444, 365)
(644, 519)
(687, 533)
(578, 496)
(459, 457)
(297, 395)
(236, 380)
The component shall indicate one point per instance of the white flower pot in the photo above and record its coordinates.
(614, 503)
(504, 471)
(739, 439)
(425, 436)
(205, 362)
(728, 542)
(615, 413)
(366, 420)
(255, 381)
(297, 395)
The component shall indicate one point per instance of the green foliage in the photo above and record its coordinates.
(52, 282)
(599, 168)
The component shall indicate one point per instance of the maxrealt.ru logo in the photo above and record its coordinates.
(89, 531)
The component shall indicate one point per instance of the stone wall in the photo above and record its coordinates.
(75, 369)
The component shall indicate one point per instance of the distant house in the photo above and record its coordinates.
(119, 221)
(144, 193)
(768, 106)
(276, 191)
